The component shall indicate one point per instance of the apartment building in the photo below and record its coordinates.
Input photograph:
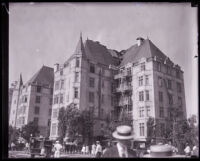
(85, 80)
(149, 84)
(139, 82)
(32, 101)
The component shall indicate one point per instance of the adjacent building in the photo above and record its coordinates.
(32, 101)
(139, 82)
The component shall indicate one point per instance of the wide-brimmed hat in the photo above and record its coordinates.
(123, 132)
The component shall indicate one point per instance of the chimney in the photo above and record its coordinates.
(139, 41)
(56, 67)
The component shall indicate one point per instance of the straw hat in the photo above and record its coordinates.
(123, 132)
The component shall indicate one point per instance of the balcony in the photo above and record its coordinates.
(124, 102)
(123, 74)
(122, 88)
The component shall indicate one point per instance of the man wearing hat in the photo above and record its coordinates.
(58, 148)
(123, 134)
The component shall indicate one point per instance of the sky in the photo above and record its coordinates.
(47, 33)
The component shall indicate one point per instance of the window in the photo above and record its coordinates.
(25, 98)
(77, 62)
(160, 81)
(129, 71)
(50, 101)
(76, 76)
(36, 120)
(49, 122)
(92, 68)
(61, 72)
(146, 79)
(142, 66)
(38, 89)
(147, 95)
(53, 128)
(55, 113)
(168, 69)
(55, 99)
(37, 100)
(148, 110)
(140, 80)
(102, 98)
(102, 83)
(23, 120)
(37, 110)
(103, 71)
(51, 91)
(161, 112)
(162, 129)
(91, 97)
(141, 126)
(178, 87)
(179, 101)
(170, 99)
(50, 110)
(92, 81)
(141, 96)
(67, 97)
(159, 66)
(160, 96)
(177, 73)
(141, 111)
(56, 85)
(169, 84)
(75, 92)
(62, 84)
(61, 98)
(24, 109)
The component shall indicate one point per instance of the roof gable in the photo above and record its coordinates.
(44, 76)
(145, 50)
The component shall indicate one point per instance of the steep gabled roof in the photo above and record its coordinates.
(45, 76)
(145, 50)
(98, 53)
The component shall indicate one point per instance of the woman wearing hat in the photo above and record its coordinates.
(123, 134)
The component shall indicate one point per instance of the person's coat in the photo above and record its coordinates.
(113, 153)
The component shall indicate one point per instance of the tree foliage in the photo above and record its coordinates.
(73, 122)
(13, 134)
(30, 128)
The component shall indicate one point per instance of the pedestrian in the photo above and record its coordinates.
(187, 150)
(93, 149)
(98, 151)
(58, 148)
(83, 149)
(27, 147)
(12, 146)
(123, 134)
(106, 148)
(195, 151)
(87, 149)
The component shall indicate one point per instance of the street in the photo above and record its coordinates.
(23, 154)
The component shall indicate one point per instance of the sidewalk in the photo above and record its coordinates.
(63, 155)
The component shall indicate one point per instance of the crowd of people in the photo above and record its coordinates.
(123, 136)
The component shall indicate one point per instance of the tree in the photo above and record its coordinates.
(13, 134)
(30, 128)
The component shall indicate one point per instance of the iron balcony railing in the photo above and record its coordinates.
(124, 88)
(123, 74)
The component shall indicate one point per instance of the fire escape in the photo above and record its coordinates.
(123, 93)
